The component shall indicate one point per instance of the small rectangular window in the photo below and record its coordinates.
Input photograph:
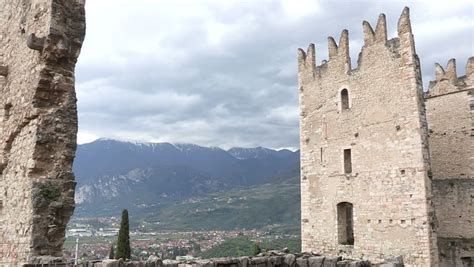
(321, 154)
(347, 161)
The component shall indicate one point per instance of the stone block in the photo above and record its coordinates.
(275, 260)
(243, 262)
(331, 261)
(35, 43)
(105, 263)
(170, 263)
(316, 261)
(289, 260)
(259, 260)
(302, 262)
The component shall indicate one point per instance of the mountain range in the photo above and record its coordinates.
(149, 178)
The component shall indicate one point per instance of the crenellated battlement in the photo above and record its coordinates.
(447, 81)
(450, 72)
(401, 47)
(380, 34)
(341, 51)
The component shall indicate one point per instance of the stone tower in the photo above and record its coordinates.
(365, 165)
(40, 41)
(450, 114)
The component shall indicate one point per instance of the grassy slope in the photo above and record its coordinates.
(269, 206)
(242, 246)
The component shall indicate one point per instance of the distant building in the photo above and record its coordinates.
(184, 258)
(79, 232)
(107, 232)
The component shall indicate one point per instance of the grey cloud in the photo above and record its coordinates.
(224, 73)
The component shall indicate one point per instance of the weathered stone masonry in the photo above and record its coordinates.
(450, 108)
(266, 259)
(372, 186)
(40, 41)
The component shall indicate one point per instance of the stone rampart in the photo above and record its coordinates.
(267, 259)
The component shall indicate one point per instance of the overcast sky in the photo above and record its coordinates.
(223, 73)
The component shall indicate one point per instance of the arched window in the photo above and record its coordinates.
(344, 99)
(345, 223)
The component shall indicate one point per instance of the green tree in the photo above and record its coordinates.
(111, 252)
(123, 242)
(256, 248)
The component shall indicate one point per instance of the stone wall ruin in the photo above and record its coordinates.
(267, 259)
(450, 113)
(40, 41)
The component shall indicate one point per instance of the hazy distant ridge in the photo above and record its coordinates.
(116, 173)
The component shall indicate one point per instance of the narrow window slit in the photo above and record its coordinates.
(6, 111)
(347, 161)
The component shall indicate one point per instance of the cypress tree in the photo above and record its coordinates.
(256, 249)
(111, 252)
(123, 242)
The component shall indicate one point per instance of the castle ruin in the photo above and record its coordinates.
(40, 42)
(386, 169)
